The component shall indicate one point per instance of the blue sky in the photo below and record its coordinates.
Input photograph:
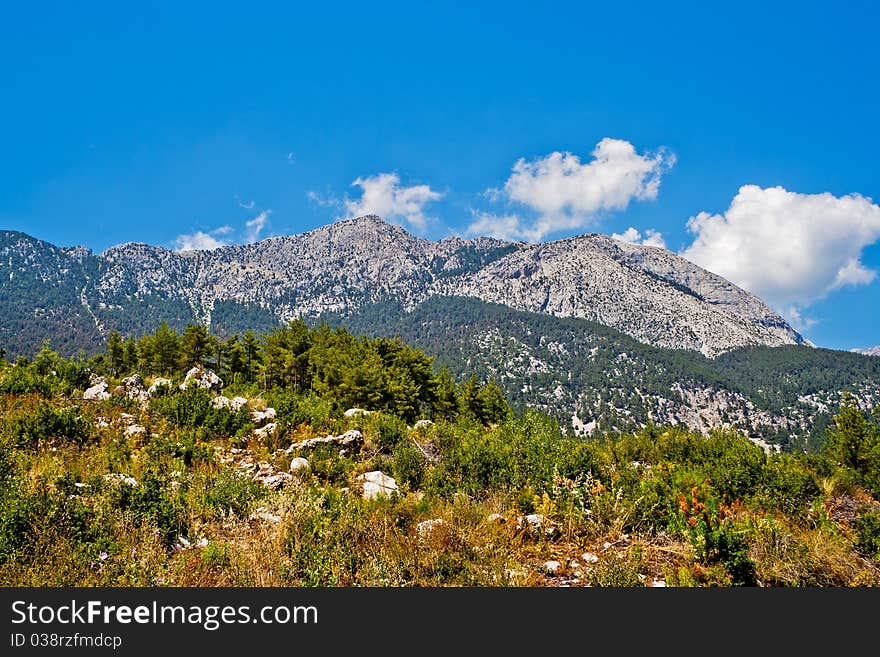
(178, 126)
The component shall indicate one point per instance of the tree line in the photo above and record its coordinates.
(352, 371)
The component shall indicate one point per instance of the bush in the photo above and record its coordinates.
(788, 486)
(22, 380)
(618, 570)
(390, 431)
(229, 492)
(867, 528)
(49, 423)
(295, 409)
(150, 504)
(194, 408)
(408, 465)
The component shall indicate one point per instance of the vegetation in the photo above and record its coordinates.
(611, 378)
(87, 501)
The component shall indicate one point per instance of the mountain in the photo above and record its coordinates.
(645, 292)
(601, 334)
(595, 379)
(870, 351)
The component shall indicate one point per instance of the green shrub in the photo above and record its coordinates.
(390, 431)
(618, 570)
(295, 409)
(867, 528)
(22, 380)
(408, 465)
(788, 486)
(229, 492)
(49, 423)
(194, 408)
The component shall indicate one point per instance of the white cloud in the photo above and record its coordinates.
(633, 236)
(500, 226)
(327, 201)
(383, 195)
(247, 205)
(567, 194)
(255, 226)
(790, 249)
(796, 318)
(197, 241)
(223, 236)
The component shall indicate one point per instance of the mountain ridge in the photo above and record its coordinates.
(648, 293)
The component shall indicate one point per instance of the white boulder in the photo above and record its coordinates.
(299, 465)
(135, 430)
(202, 378)
(98, 392)
(266, 431)
(377, 483)
(263, 416)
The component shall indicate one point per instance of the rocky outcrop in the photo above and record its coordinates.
(202, 378)
(235, 404)
(350, 440)
(98, 390)
(134, 388)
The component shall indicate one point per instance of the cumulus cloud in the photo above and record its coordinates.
(197, 241)
(383, 195)
(503, 227)
(255, 226)
(324, 200)
(566, 194)
(790, 249)
(633, 236)
(223, 236)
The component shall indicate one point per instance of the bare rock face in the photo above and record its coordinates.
(646, 292)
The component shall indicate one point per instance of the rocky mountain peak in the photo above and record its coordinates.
(648, 293)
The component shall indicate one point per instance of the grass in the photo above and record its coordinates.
(660, 505)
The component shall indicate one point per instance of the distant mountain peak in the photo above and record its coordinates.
(870, 351)
(650, 294)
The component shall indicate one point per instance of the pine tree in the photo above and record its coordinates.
(195, 344)
(116, 353)
(166, 349)
(493, 405)
(129, 355)
(251, 348)
(446, 400)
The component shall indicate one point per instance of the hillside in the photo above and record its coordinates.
(594, 379)
(265, 477)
